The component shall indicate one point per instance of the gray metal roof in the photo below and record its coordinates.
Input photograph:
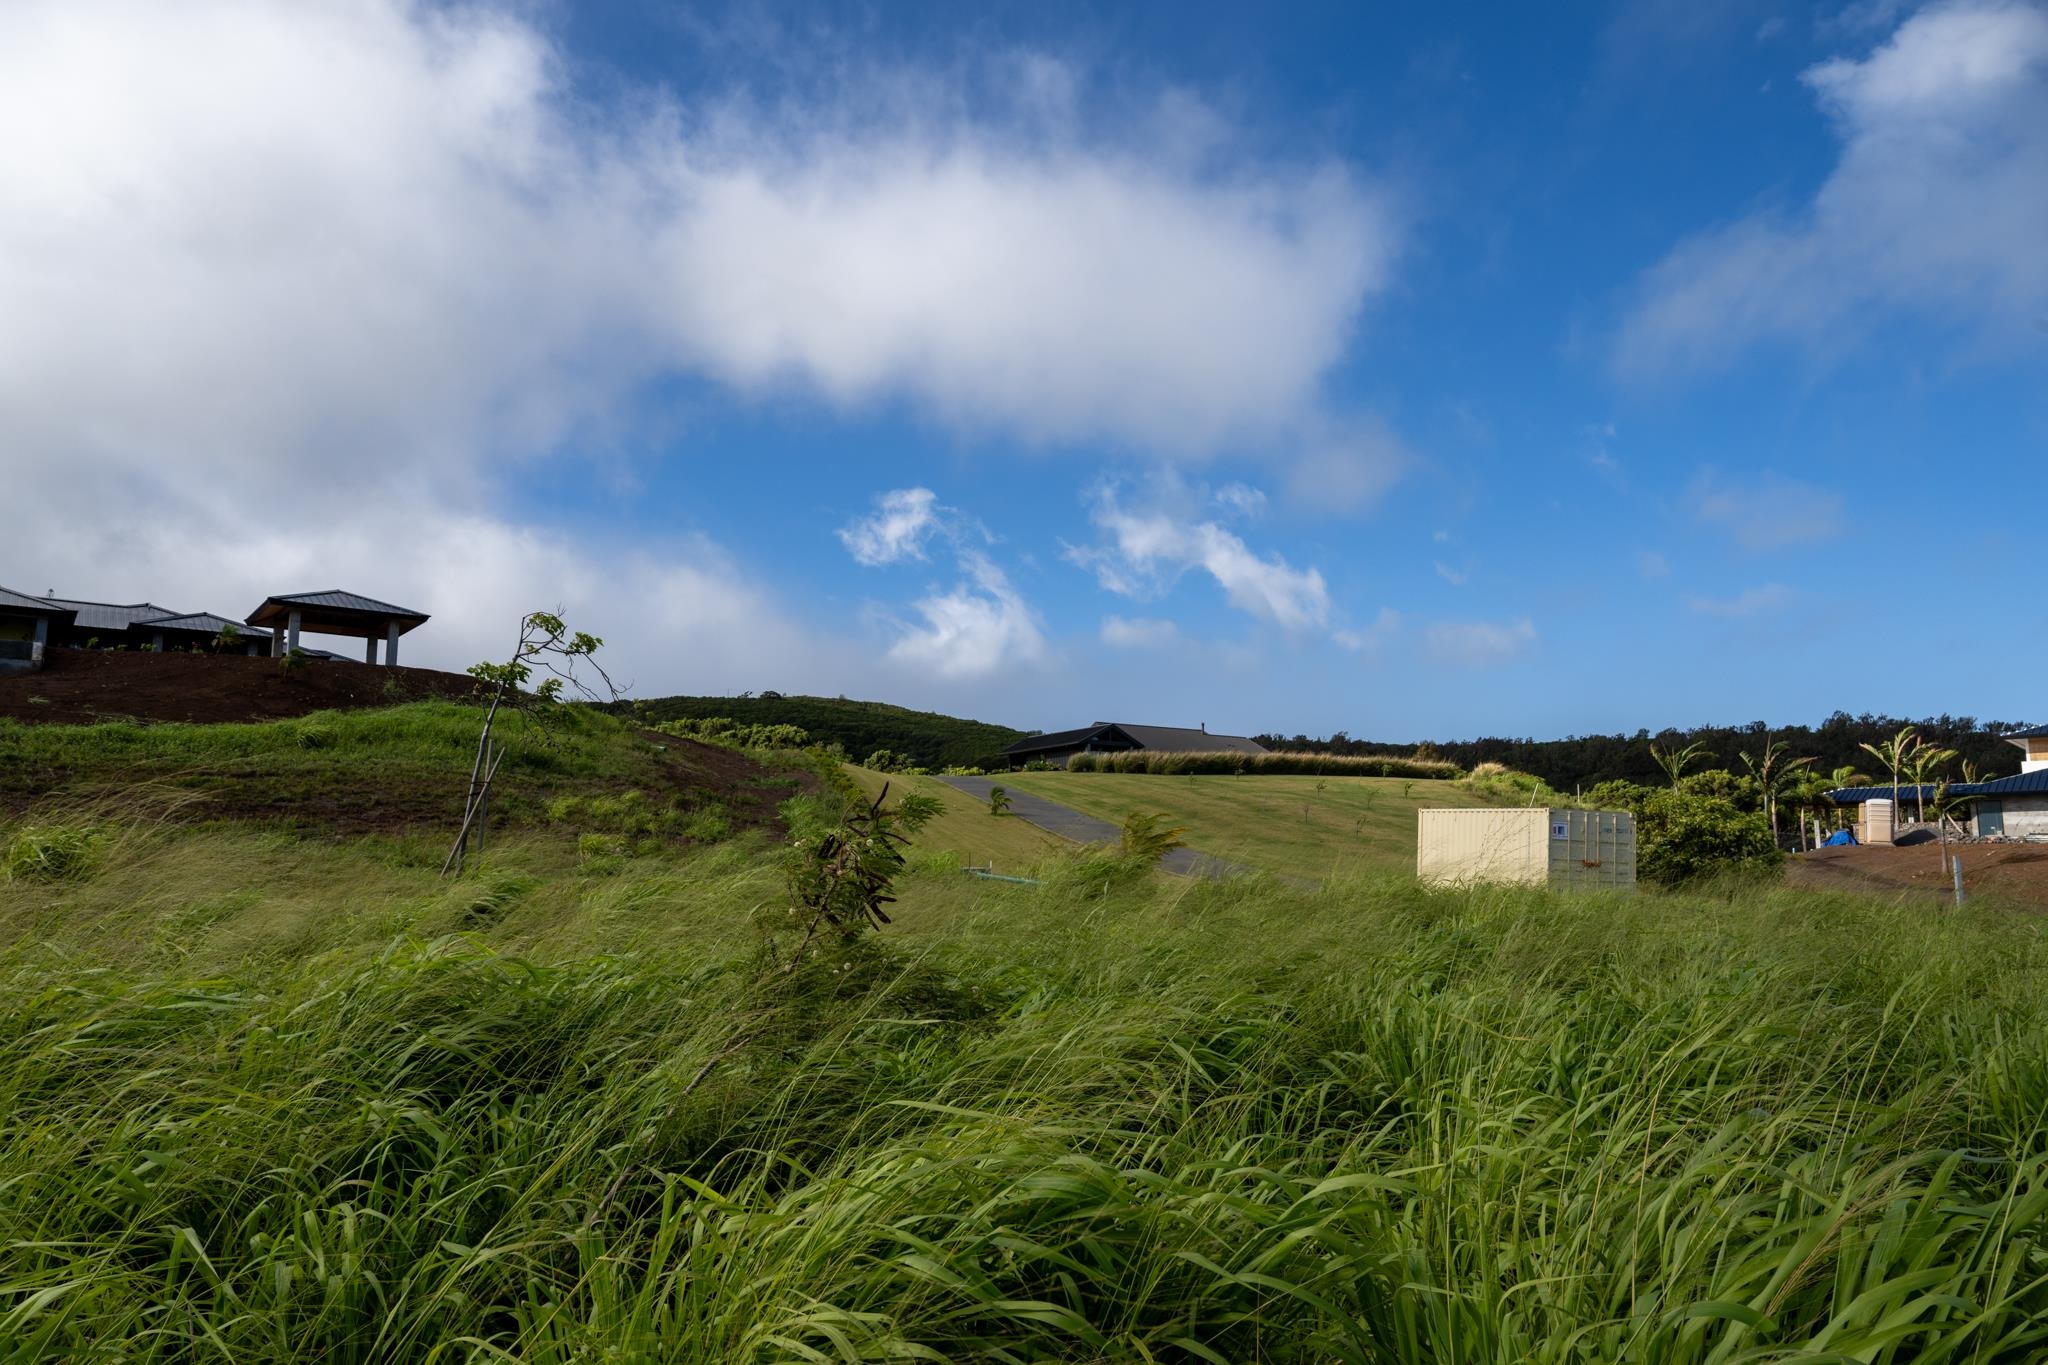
(2036, 732)
(111, 615)
(1159, 738)
(1173, 739)
(205, 621)
(21, 601)
(334, 599)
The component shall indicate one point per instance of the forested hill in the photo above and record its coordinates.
(1583, 760)
(928, 739)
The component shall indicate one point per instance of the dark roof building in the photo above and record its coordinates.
(1112, 737)
(335, 612)
(26, 627)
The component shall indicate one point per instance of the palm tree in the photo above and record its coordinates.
(1894, 754)
(1926, 761)
(1772, 773)
(1675, 763)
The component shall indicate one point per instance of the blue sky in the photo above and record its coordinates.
(1420, 373)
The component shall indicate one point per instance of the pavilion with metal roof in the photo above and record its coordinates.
(335, 612)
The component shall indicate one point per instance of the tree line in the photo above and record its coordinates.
(1583, 761)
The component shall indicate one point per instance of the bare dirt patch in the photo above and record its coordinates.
(86, 686)
(2016, 873)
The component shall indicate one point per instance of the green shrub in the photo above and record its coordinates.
(1682, 837)
(707, 826)
(50, 853)
(998, 801)
(314, 734)
(1146, 837)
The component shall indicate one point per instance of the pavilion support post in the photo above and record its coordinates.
(292, 634)
(276, 644)
(391, 645)
(370, 650)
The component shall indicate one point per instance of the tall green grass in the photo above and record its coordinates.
(1271, 764)
(1101, 1118)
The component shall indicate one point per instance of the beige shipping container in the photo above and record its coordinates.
(1532, 846)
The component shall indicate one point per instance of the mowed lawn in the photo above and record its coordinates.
(1304, 826)
(964, 828)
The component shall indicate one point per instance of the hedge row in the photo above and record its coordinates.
(1323, 765)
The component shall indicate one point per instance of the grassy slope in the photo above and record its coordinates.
(930, 739)
(273, 1098)
(393, 770)
(1281, 824)
(965, 830)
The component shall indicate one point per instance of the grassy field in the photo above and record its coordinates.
(1301, 826)
(272, 1097)
(964, 831)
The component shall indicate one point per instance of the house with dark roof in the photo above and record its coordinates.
(2015, 807)
(28, 626)
(1115, 737)
(31, 624)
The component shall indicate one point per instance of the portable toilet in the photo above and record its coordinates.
(1532, 846)
(1876, 822)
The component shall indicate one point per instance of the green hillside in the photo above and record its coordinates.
(1302, 826)
(928, 738)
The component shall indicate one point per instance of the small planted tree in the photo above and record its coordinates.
(839, 879)
(998, 801)
(545, 645)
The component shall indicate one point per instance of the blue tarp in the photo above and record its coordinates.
(1838, 839)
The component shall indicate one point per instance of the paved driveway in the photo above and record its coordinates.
(1069, 823)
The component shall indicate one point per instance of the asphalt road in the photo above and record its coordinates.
(1069, 823)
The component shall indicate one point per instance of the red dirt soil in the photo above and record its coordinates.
(84, 686)
(2016, 874)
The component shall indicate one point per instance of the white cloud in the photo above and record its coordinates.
(1149, 550)
(1240, 499)
(1455, 577)
(1768, 513)
(1750, 602)
(902, 520)
(680, 610)
(345, 266)
(1374, 637)
(1936, 204)
(1478, 644)
(1651, 564)
(1138, 632)
(981, 627)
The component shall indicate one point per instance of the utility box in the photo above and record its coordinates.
(1529, 847)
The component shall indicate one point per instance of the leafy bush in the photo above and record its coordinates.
(50, 853)
(736, 734)
(1276, 764)
(1146, 837)
(885, 761)
(1505, 784)
(1685, 835)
